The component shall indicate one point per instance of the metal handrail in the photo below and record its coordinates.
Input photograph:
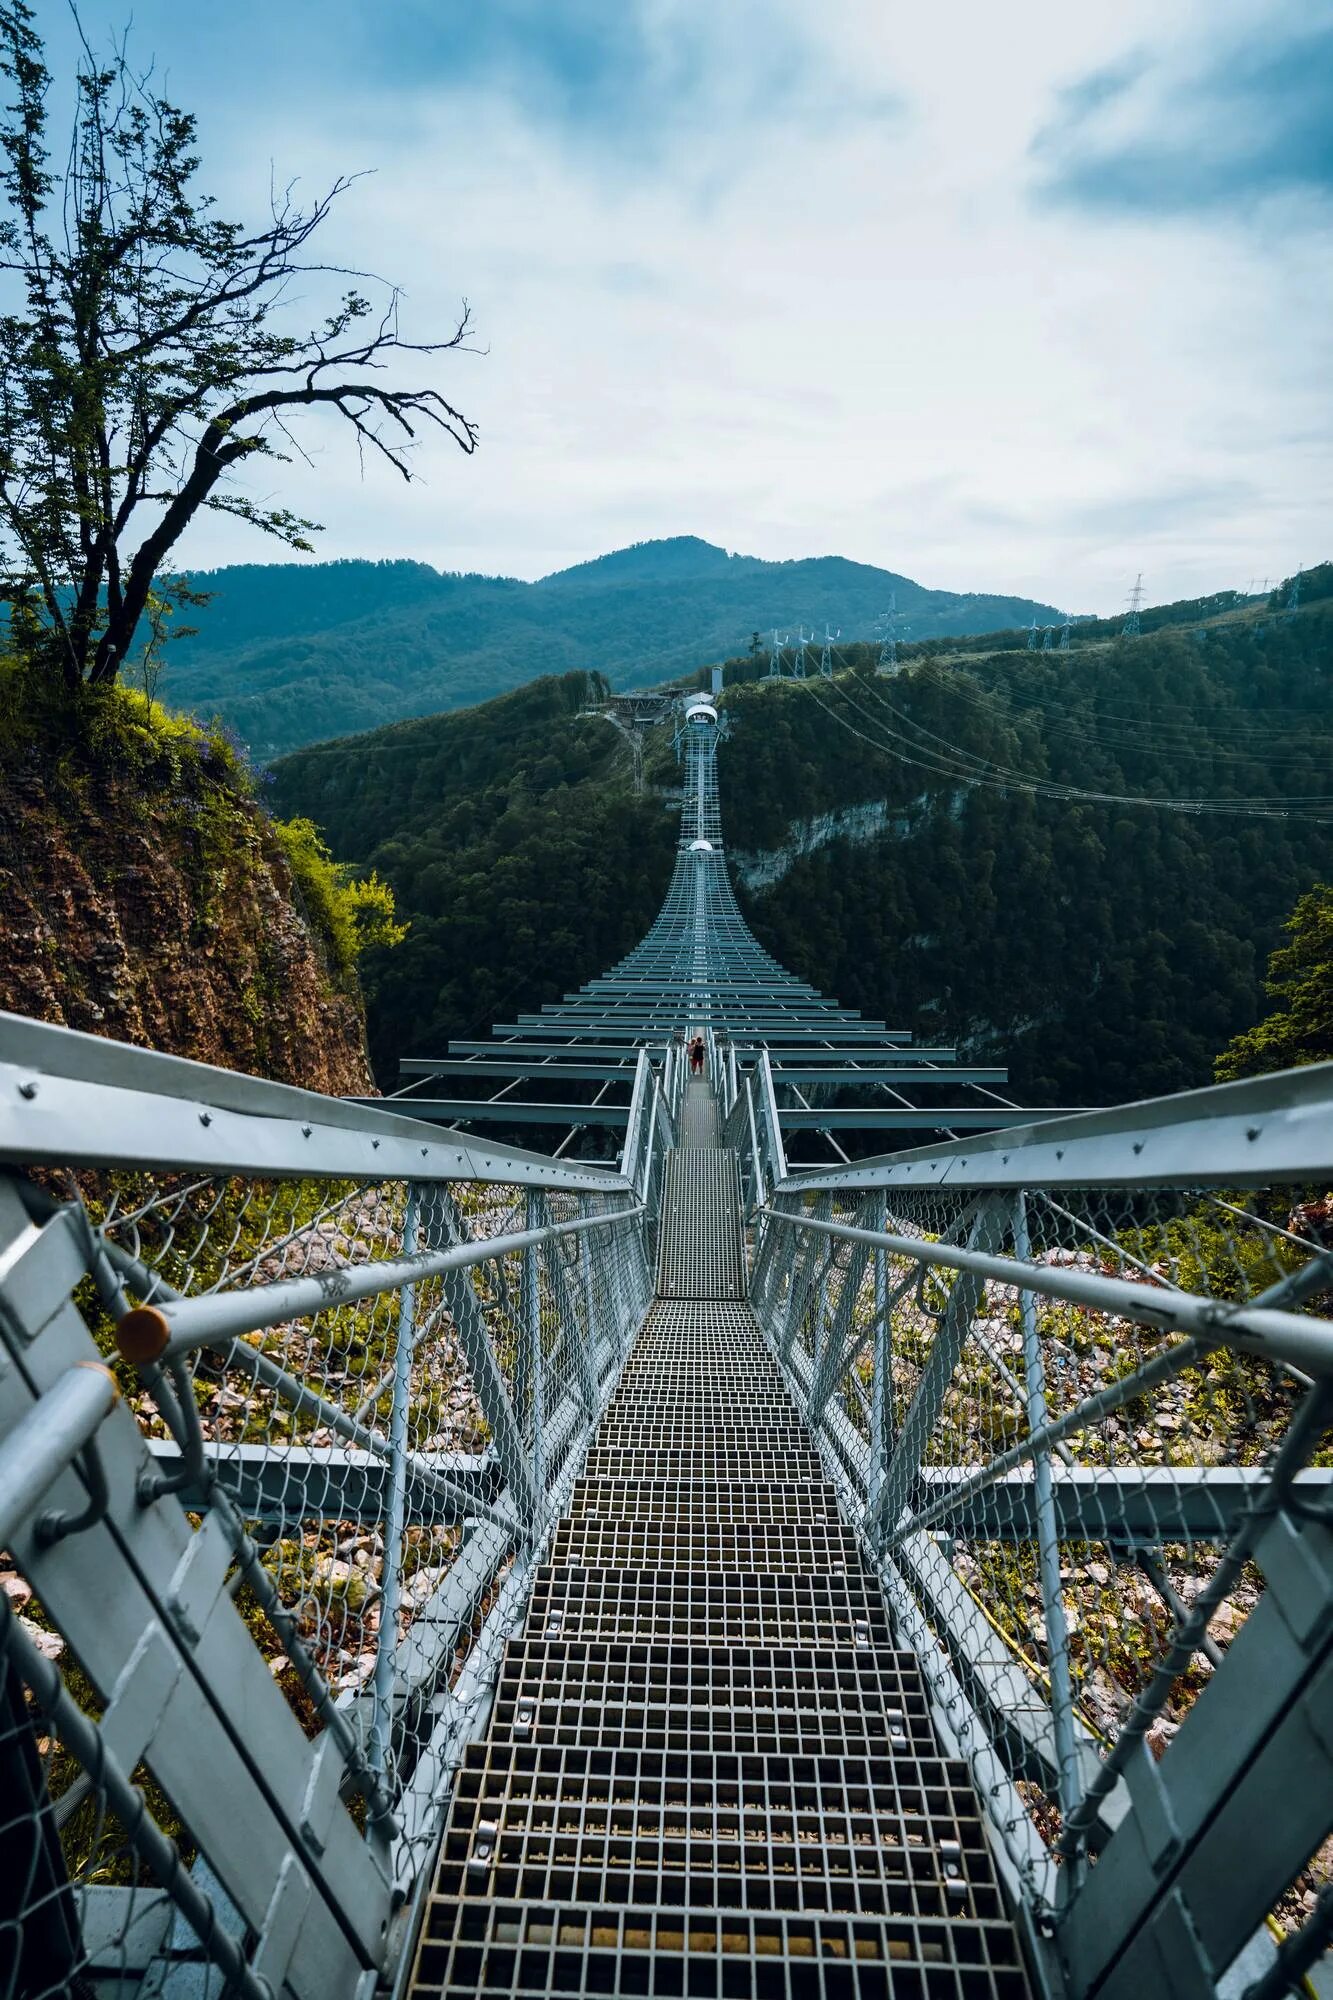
(1297, 1338)
(1244, 1134)
(199, 1322)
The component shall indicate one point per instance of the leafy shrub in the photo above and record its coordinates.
(350, 914)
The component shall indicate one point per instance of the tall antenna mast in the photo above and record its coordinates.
(1131, 625)
(826, 656)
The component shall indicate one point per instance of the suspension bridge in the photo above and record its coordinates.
(436, 1567)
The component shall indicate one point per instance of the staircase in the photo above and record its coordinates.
(709, 1770)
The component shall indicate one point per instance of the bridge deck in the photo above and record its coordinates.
(709, 1770)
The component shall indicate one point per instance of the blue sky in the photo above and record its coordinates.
(1029, 297)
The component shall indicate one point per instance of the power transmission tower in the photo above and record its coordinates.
(775, 657)
(1131, 625)
(1294, 600)
(888, 648)
(798, 664)
(826, 657)
(1064, 634)
(1032, 634)
(1046, 632)
(756, 649)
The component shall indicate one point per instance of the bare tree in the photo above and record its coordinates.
(154, 356)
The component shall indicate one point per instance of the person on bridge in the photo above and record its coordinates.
(697, 1056)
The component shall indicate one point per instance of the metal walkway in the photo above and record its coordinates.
(700, 1573)
(709, 1770)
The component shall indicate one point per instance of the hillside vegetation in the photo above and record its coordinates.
(513, 844)
(149, 896)
(1107, 950)
(289, 654)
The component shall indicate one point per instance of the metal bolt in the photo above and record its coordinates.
(306, 1131)
(205, 1118)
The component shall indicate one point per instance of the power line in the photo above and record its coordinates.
(945, 760)
(1303, 741)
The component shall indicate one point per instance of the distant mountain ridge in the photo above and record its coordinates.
(292, 653)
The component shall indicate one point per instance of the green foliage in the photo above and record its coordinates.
(112, 726)
(351, 913)
(1105, 951)
(1300, 979)
(512, 842)
(151, 357)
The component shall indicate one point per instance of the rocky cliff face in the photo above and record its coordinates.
(148, 899)
(759, 868)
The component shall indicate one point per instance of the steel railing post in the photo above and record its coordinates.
(531, 1372)
(1048, 1549)
(881, 1398)
(758, 1191)
(819, 1331)
(381, 1722)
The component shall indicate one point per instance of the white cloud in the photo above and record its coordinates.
(844, 323)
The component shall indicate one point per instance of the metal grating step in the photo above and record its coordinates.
(527, 1950)
(760, 1842)
(708, 1768)
(690, 1434)
(703, 1500)
(700, 1254)
(730, 1698)
(760, 1609)
(722, 1465)
(699, 1120)
(714, 1317)
(931, 1788)
(826, 1548)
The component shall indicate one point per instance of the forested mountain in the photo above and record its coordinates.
(291, 653)
(1108, 949)
(513, 844)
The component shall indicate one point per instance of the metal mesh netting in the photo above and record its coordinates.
(351, 1455)
(1070, 1570)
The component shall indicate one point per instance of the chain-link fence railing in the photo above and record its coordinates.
(277, 1455)
(1086, 1435)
